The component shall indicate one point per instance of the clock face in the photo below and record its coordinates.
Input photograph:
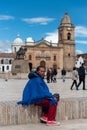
(69, 28)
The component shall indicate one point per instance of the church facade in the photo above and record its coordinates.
(48, 54)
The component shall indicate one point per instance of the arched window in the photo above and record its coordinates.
(14, 49)
(30, 66)
(68, 36)
(7, 67)
(30, 57)
(54, 58)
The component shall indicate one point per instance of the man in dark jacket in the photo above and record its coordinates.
(63, 73)
(81, 72)
(36, 92)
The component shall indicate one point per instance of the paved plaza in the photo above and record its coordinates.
(12, 89)
(65, 125)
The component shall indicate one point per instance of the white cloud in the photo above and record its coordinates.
(53, 37)
(81, 31)
(79, 52)
(40, 20)
(81, 42)
(6, 17)
(5, 46)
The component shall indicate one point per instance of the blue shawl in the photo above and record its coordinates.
(35, 91)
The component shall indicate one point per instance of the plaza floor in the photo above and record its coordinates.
(65, 125)
(11, 90)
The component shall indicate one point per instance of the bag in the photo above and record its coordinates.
(57, 96)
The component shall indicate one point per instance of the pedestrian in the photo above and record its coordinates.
(36, 92)
(51, 74)
(54, 78)
(48, 75)
(74, 78)
(63, 73)
(81, 72)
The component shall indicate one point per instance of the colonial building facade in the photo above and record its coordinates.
(48, 54)
(6, 62)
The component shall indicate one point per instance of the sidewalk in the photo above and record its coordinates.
(65, 125)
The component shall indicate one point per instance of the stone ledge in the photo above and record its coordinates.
(68, 109)
(13, 114)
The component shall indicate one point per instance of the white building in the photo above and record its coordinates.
(6, 62)
(79, 62)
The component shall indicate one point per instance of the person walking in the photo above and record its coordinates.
(48, 75)
(81, 72)
(74, 78)
(51, 74)
(36, 92)
(63, 73)
(54, 75)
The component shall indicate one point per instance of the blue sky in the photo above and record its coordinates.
(36, 19)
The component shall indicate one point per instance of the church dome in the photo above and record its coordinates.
(66, 21)
(18, 41)
(29, 39)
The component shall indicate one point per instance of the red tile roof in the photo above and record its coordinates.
(7, 55)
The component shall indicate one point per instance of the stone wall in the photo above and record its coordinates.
(13, 114)
(68, 109)
(20, 66)
(72, 109)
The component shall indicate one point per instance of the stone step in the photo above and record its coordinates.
(68, 109)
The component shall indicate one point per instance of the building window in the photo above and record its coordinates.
(9, 61)
(30, 57)
(68, 36)
(54, 58)
(14, 49)
(3, 69)
(2, 61)
(7, 67)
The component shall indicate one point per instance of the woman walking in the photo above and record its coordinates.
(74, 78)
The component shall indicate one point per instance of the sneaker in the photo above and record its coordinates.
(52, 123)
(43, 118)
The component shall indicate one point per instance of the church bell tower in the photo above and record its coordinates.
(67, 42)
